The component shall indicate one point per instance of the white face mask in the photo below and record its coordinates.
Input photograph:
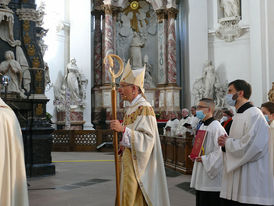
(223, 119)
(231, 99)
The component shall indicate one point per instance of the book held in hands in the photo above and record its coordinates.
(198, 144)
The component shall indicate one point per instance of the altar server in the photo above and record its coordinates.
(247, 175)
(207, 170)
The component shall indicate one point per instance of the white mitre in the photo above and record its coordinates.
(135, 76)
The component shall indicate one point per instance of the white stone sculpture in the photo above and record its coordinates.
(149, 83)
(13, 69)
(73, 84)
(125, 24)
(209, 86)
(46, 75)
(73, 79)
(4, 4)
(231, 7)
(21, 58)
(135, 51)
(210, 78)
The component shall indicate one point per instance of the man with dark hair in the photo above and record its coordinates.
(247, 175)
(207, 170)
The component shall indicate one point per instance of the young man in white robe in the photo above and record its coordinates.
(247, 176)
(13, 183)
(143, 178)
(207, 170)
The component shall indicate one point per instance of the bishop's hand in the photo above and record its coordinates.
(116, 126)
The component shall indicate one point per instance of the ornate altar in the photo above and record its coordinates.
(144, 32)
(21, 59)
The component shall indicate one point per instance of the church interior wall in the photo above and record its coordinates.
(196, 41)
(80, 46)
(247, 57)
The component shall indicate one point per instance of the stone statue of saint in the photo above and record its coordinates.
(21, 58)
(231, 7)
(135, 51)
(210, 79)
(73, 81)
(13, 69)
(209, 86)
(46, 71)
(271, 93)
(149, 83)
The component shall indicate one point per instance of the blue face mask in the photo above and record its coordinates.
(230, 99)
(200, 114)
(266, 117)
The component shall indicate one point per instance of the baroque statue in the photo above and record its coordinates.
(231, 7)
(149, 83)
(209, 86)
(73, 86)
(135, 51)
(13, 69)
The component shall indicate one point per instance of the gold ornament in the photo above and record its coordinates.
(39, 109)
(134, 5)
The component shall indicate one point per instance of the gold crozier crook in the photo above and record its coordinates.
(109, 58)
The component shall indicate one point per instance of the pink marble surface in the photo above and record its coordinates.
(98, 51)
(108, 47)
(171, 51)
(74, 116)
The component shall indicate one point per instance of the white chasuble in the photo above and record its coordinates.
(207, 176)
(247, 174)
(146, 153)
(13, 184)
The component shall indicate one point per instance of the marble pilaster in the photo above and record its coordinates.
(162, 42)
(108, 41)
(171, 46)
(97, 50)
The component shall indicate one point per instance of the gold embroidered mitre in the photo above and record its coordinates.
(135, 76)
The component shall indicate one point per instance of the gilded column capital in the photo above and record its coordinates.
(110, 9)
(172, 13)
(161, 14)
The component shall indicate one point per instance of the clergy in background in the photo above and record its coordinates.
(247, 176)
(143, 178)
(13, 183)
(207, 170)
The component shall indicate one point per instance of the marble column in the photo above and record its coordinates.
(108, 41)
(162, 51)
(98, 50)
(171, 47)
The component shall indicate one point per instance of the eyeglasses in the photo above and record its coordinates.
(201, 107)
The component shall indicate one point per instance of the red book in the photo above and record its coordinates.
(198, 144)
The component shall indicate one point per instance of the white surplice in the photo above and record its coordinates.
(181, 129)
(173, 124)
(247, 174)
(207, 176)
(13, 184)
(146, 152)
